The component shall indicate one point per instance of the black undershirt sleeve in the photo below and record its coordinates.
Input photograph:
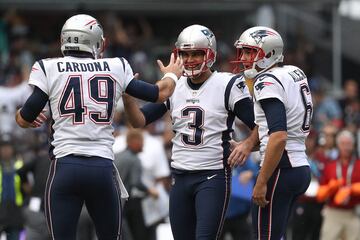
(143, 90)
(33, 105)
(153, 111)
(244, 110)
(275, 114)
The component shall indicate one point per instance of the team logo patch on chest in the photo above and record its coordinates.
(193, 100)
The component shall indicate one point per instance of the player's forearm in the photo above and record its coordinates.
(21, 121)
(253, 139)
(132, 111)
(273, 153)
(166, 87)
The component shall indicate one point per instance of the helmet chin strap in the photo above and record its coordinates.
(194, 73)
(250, 73)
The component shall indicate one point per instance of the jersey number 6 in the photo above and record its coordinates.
(305, 95)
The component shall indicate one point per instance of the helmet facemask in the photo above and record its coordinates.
(256, 54)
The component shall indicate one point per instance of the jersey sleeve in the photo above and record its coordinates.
(268, 87)
(38, 77)
(128, 73)
(238, 91)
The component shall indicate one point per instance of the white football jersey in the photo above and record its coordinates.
(10, 99)
(289, 85)
(201, 120)
(83, 93)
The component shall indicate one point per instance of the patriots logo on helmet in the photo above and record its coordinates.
(260, 34)
(261, 85)
(208, 34)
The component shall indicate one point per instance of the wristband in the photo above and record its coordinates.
(170, 75)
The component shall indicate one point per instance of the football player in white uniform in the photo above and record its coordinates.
(202, 108)
(82, 89)
(283, 110)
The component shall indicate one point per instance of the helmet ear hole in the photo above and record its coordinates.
(270, 54)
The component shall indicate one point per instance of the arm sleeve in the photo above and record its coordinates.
(244, 110)
(34, 104)
(153, 111)
(275, 114)
(143, 90)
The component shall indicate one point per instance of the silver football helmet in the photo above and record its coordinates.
(82, 33)
(192, 38)
(266, 49)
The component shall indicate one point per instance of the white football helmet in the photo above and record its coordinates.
(82, 33)
(266, 49)
(192, 38)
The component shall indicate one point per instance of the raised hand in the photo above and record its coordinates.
(175, 66)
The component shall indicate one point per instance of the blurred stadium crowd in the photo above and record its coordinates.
(24, 152)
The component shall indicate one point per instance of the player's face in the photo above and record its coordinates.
(247, 56)
(192, 59)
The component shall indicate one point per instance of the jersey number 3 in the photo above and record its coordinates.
(197, 116)
(101, 91)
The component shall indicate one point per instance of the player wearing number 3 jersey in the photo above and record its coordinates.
(202, 108)
(283, 110)
(82, 89)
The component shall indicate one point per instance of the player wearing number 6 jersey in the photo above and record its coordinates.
(82, 90)
(202, 108)
(283, 110)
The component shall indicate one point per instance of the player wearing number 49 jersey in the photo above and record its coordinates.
(283, 110)
(82, 90)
